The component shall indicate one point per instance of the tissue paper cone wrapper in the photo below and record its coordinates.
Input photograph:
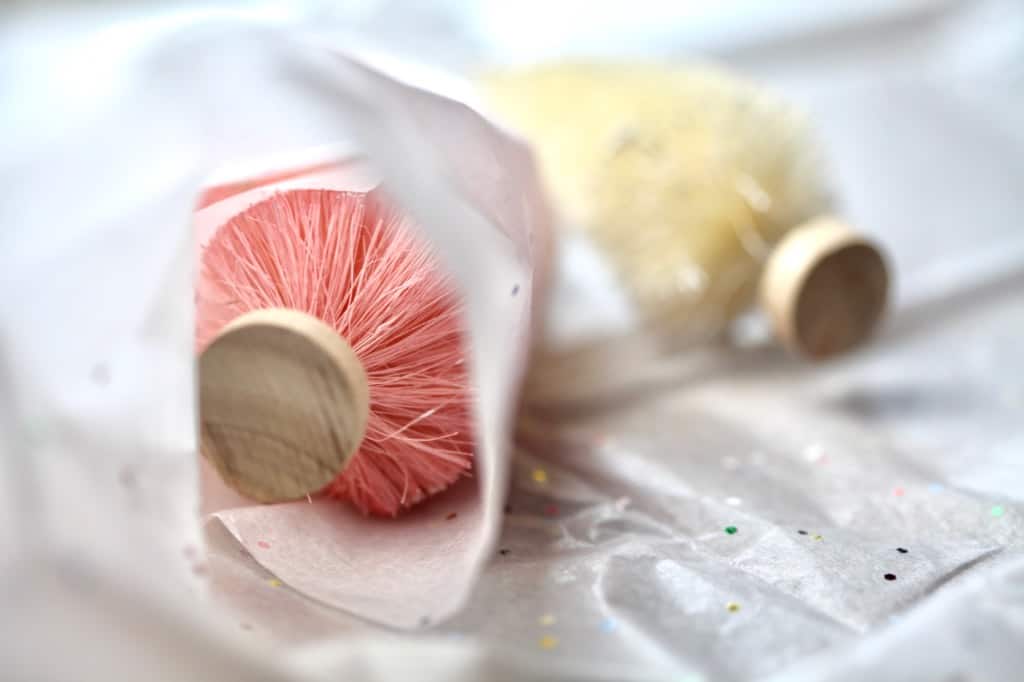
(326, 549)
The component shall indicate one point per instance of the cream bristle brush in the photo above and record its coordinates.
(331, 355)
(691, 181)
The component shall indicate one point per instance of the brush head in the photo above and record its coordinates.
(355, 264)
(684, 176)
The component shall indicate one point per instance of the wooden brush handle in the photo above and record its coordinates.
(283, 403)
(824, 288)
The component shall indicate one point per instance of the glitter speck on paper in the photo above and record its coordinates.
(814, 452)
(898, 491)
(732, 607)
(608, 625)
(997, 511)
(547, 620)
(450, 516)
(548, 642)
(264, 544)
(733, 501)
(100, 374)
(902, 550)
(127, 478)
(540, 476)
(274, 582)
(731, 530)
(889, 576)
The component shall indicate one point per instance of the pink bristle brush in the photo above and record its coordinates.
(332, 356)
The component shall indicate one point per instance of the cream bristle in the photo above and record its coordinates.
(684, 176)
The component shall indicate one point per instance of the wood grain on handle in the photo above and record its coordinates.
(824, 288)
(283, 404)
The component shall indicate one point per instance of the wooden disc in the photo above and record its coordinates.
(824, 288)
(283, 404)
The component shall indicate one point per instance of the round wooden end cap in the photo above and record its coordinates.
(824, 288)
(283, 404)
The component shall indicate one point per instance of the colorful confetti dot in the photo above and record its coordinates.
(609, 625)
(733, 501)
(274, 582)
(540, 476)
(732, 607)
(997, 511)
(450, 516)
(889, 576)
(898, 491)
(548, 642)
(818, 538)
(547, 620)
(264, 544)
(732, 530)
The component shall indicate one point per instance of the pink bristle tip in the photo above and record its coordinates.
(356, 264)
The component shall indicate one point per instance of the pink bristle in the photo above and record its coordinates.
(353, 262)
